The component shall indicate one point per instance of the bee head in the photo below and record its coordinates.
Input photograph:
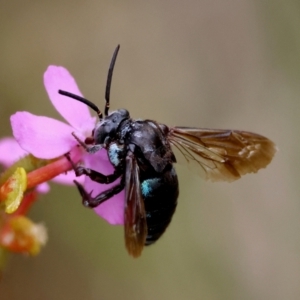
(108, 126)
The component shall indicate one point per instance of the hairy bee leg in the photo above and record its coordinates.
(94, 175)
(89, 201)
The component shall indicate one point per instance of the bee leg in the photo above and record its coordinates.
(89, 201)
(88, 148)
(67, 155)
(94, 175)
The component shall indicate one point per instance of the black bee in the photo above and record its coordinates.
(142, 156)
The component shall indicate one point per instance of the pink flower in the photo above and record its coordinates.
(10, 152)
(48, 138)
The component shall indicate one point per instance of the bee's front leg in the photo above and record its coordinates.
(95, 175)
(89, 201)
(88, 148)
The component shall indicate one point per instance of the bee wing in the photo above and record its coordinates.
(223, 155)
(135, 215)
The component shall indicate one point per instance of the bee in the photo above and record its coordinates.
(141, 152)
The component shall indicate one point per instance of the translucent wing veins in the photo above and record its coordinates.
(224, 155)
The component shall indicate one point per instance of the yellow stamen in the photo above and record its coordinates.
(11, 192)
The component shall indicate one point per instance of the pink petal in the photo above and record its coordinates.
(10, 151)
(43, 188)
(111, 210)
(41, 136)
(76, 113)
(68, 178)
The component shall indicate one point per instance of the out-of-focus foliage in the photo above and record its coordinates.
(216, 64)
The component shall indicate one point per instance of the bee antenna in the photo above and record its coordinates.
(83, 100)
(109, 79)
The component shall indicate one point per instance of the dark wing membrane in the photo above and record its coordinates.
(135, 215)
(223, 155)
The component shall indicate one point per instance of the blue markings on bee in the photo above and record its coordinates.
(150, 185)
(115, 153)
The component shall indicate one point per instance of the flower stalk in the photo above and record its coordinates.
(54, 168)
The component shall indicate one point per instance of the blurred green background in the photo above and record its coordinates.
(217, 64)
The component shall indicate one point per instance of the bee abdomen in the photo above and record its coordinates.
(158, 221)
(160, 195)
